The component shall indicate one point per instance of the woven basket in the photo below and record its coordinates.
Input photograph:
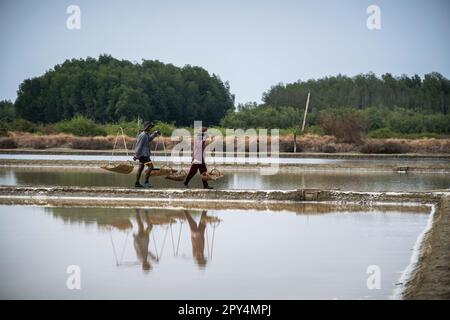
(177, 176)
(124, 168)
(163, 171)
(119, 167)
(214, 174)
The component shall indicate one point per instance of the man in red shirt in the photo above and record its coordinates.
(198, 157)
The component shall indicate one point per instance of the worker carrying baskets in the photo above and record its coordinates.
(142, 153)
(201, 140)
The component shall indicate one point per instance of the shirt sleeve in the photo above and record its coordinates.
(139, 145)
(152, 136)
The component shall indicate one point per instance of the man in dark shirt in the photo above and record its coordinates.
(142, 153)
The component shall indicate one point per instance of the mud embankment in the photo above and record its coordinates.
(431, 279)
(111, 196)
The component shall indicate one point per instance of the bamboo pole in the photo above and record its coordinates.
(306, 111)
(304, 123)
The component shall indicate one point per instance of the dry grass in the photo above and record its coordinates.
(384, 147)
(315, 143)
(406, 146)
(7, 143)
(305, 143)
(429, 145)
(29, 140)
(346, 128)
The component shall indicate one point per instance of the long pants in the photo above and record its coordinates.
(194, 168)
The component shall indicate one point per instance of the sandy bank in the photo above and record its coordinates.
(111, 196)
(431, 280)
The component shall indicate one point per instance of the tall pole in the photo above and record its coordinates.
(306, 111)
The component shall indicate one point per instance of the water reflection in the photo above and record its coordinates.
(142, 240)
(151, 230)
(235, 180)
(155, 231)
(157, 253)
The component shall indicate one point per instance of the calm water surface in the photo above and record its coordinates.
(235, 180)
(179, 254)
(238, 160)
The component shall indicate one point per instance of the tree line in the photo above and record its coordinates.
(428, 95)
(110, 90)
(381, 106)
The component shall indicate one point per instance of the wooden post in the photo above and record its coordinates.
(306, 111)
(295, 142)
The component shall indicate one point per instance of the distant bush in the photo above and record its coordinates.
(80, 126)
(165, 128)
(22, 125)
(382, 133)
(436, 123)
(344, 124)
(251, 116)
(315, 129)
(384, 147)
(47, 129)
(7, 143)
(4, 129)
(7, 111)
(129, 128)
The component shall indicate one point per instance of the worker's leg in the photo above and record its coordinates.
(149, 223)
(191, 221)
(202, 223)
(192, 172)
(139, 222)
(147, 174)
(203, 169)
(139, 172)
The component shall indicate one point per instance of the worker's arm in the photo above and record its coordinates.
(153, 135)
(209, 140)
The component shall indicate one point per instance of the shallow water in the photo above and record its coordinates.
(186, 160)
(219, 160)
(234, 180)
(246, 254)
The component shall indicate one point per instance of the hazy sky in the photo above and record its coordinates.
(251, 44)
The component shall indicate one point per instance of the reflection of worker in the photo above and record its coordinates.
(198, 157)
(142, 240)
(142, 153)
(197, 237)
